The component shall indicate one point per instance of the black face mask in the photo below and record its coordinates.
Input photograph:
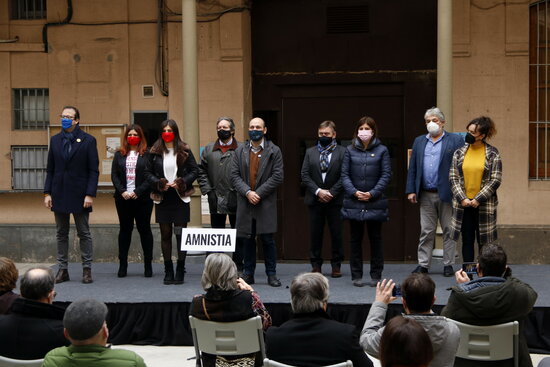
(325, 141)
(469, 138)
(224, 134)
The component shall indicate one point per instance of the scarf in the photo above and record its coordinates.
(68, 140)
(325, 152)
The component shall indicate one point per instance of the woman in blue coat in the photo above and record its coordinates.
(366, 172)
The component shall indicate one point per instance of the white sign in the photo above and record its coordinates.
(208, 239)
(112, 144)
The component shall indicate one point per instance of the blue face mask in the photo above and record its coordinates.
(255, 135)
(66, 123)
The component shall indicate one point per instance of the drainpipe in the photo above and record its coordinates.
(191, 92)
(445, 60)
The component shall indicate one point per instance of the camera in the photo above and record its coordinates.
(470, 268)
(396, 291)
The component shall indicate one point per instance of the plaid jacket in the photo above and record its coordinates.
(487, 196)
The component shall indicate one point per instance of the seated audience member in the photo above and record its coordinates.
(418, 295)
(404, 342)
(8, 281)
(494, 298)
(34, 326)
(311, 337)
(228, 298)
(545, 362)
(87, 331)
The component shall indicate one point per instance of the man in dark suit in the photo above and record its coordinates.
(35, 325)
(71, 185)
(321, 177)
(311, 337)
(428, 184)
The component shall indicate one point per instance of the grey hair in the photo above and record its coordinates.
(219, 271)
(37, 283)
(84, 318)
(434, 111)
(308, 292)
(228, 119)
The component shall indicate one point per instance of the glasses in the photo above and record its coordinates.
(67, 117)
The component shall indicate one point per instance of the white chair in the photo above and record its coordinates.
(9, 362)
(227, 338)
(272, 363)
(489, 343)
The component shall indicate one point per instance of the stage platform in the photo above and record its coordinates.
(143, 311)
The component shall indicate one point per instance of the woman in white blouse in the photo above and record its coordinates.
(132, 197)
(171, 173)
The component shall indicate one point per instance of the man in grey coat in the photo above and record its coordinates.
(256, 173)
(418, 295)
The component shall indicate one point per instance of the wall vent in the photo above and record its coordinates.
(147, 91)
(347, 19)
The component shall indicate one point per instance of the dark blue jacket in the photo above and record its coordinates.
(367, 170)
(69, 181)
(451, 142)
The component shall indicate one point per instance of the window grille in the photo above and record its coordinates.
(31, 108)
(28, 9)
(29, 167)
(539, 91)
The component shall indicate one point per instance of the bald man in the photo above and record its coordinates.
(256, 173)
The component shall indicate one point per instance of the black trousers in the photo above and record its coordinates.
(318, 215)
(218, 221)
(139, 211)
(374, 231)
(470, 233)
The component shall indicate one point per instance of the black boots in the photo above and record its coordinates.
(122, 269)
(180, 272)
(148, 273)
(168, 272)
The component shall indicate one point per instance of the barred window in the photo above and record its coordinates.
(28, 9)
(29, 166)
(31, 108)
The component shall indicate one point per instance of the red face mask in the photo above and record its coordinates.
(134, 140)
(168, 136)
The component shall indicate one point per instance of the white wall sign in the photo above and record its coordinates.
(208, 239)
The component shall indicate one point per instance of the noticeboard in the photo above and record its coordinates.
(108, 137)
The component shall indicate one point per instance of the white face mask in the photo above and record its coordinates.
(433, 128)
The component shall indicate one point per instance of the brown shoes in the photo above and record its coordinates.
(336, 273)
(62, 276)
(87, 276)
(315, 269)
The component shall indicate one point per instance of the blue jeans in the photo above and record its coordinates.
(270, 252)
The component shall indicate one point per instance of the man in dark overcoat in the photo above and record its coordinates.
(256, 173)
(71, 184)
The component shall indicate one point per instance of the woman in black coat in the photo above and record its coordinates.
(171, 174)
(132, 197)
(366, 172)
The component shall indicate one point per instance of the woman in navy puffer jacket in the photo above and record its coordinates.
(366, 172)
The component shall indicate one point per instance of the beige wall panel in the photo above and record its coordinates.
(142, 9)
(28, 31)
(5, 122)
(4, 12)
(491, 83)
(29, 70)
(98, 11)
(89, 69)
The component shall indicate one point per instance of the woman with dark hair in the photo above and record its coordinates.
(171, 174)
(8, 282)
(228, 298)
(366, 172)
(132, 197)
(404, 342)
(475, 175)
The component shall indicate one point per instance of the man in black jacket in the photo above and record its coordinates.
(321, 178)
(494, 298)
(311, 337)
(35, 326)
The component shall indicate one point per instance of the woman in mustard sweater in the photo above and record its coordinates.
(475, 176)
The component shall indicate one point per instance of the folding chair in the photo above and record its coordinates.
(227, 338)
(489, 343)
(9, 362)
(271, 363)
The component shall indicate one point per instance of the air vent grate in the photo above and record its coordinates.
(148, 91)
(348, 19)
